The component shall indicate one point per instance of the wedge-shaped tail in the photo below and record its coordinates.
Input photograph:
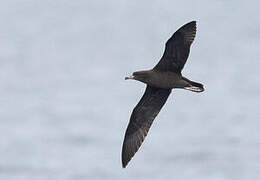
(193, 86)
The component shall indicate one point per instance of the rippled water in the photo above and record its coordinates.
(65, 104)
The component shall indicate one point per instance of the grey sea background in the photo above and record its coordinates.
(65, 104)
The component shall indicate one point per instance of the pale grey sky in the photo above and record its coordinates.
(65, 104)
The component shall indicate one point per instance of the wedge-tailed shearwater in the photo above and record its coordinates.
(160, 80)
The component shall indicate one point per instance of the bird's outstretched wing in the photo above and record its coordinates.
(177, 49)
(141, 120)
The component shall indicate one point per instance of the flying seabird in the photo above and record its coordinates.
(160, 81)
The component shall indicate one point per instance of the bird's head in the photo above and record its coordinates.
(142, 76)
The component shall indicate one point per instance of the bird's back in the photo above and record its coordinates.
(165, 80)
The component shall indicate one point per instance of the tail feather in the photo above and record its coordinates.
(194, 89)
(194, 86)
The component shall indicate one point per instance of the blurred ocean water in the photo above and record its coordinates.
(65, 105)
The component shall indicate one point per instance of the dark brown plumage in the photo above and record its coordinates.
(177, 49)
(160, 81)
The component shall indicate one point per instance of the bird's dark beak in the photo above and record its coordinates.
(129, 77)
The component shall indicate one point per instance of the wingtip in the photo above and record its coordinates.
(124, 164)
(193, 22)
(124, 160)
